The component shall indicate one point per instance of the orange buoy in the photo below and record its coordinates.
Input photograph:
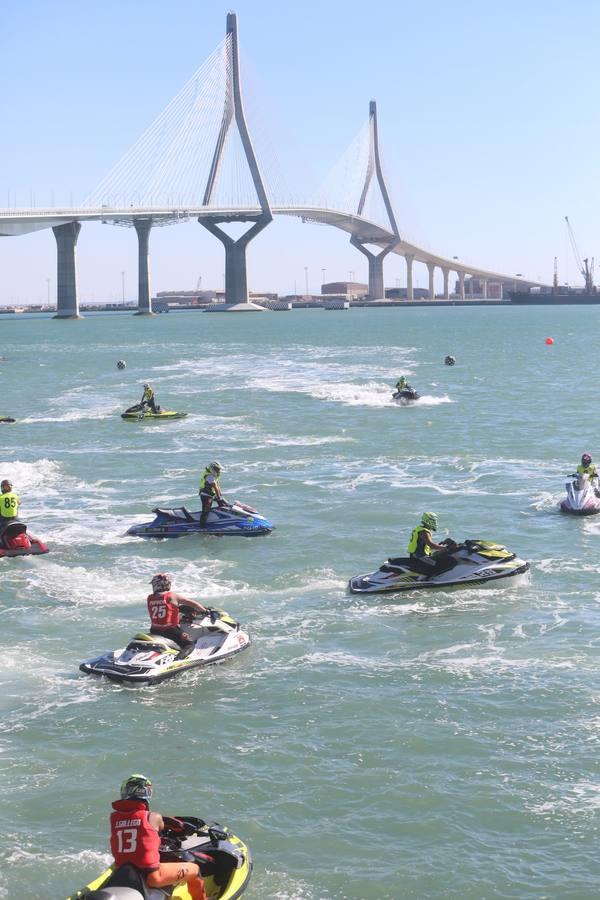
(549, 341)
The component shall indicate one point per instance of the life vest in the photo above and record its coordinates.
(413, 543)
(401, 384)
(9, 505)
(590, 471)
(148, 394)
(132, 838)
(163, 612)
(208, 486)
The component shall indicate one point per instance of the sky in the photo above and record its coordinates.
(488, 124)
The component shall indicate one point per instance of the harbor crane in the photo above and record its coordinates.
(585, 266)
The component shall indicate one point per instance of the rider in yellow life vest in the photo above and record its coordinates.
(148, 399)
(402, 384)
(209, 489)
(9, 504)
(421, 546)
(587, 467)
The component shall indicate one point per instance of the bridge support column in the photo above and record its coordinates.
(67, 302)
(142, 227)
(236, 282)
(461, 285)
(485, 285)
(409, 277)
(446, 274)
(431, 269)
(376, 285)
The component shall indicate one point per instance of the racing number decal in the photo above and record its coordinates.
(127, 840)
(9, 503)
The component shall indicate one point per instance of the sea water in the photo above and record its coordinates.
(365, 747)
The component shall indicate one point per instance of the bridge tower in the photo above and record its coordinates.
(67, 301)
(376, 287)
(236, 284)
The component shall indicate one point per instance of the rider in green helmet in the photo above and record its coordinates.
(422, 548)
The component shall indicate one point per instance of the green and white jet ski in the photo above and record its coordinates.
(151, 658)
(474, 563)
(138, 413)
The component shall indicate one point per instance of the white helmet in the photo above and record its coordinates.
(215, 468)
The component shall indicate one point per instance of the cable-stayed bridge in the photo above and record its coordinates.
(199, 160)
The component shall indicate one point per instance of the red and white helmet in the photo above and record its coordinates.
(161, 582)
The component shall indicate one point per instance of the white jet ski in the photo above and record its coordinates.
(471, 564)
(151, 658)
(582, 496)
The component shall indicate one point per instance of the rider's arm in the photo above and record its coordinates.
(156, 820)
(427, 540)
(179, 599)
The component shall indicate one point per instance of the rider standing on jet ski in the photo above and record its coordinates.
(402, 384)
(209, 489)
(135, 839)
(148, 401)
(163, 607)
(422, 547)
(9, 505)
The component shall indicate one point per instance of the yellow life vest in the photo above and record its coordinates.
(414, 540)
(208, 488)
(9, 505)
(590, 470)
(148, 394)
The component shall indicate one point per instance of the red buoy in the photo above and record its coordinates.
(549, 341)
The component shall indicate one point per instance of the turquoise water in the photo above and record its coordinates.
(365, 748)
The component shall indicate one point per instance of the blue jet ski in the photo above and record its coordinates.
(236, 518)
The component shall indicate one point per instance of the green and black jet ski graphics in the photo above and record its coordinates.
(225, 865)
(137, 414)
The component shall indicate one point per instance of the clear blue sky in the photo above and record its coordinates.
(488, 120)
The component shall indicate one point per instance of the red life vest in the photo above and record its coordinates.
(132, 838)
(163, 612)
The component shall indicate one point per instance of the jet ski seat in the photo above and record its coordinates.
(180, 512)
(393, 564)
(130, 884)
(143, 641)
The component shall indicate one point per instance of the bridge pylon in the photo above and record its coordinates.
(67, 301)
(236, 282)
(376, 286)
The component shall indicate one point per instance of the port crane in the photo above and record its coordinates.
(585, 266)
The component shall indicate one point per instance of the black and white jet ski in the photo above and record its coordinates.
(151, 658)
(582, 496)
(405, 396)
(225, 865)
(473, 563)
(235, 518)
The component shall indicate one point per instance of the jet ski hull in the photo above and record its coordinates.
(581, 499)
(239, 521)
(162, 416)
(405, 397)
(150, 659)
(7, 420)
(225, 865)
(468, 568)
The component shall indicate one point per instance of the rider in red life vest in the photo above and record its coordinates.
(163, 607)
(135, 839)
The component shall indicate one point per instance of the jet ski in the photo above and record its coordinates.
(235, 518)
(582, 498)
(15, 541)
(405, 396)
(151, 658)
(225, 865)
(6, 420)
(137, 413)
(474, 562)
